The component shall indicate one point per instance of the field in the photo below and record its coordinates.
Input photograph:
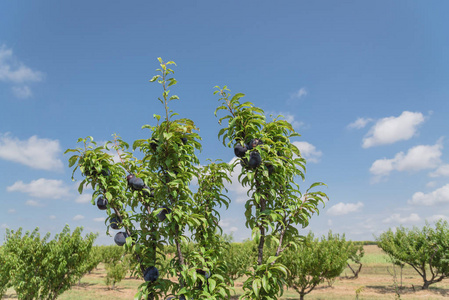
(375, 282)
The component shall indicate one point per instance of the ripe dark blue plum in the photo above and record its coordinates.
(105, 172)
(153, 144)
(240, 150)
(151, 274)
(270, 168)
(162, 215)
(134, 182)
(120, 238)
(102, 203)
(115, 223)
(254, 160)
(184, 140)
(254, 143)
(147, 191)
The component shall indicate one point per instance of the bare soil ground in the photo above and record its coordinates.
(376, 281)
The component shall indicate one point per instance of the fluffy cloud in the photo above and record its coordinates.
(436, 218)
(14, 71)
(22, 92)
(438, 196)
(299, 93)
(417, 158)
(344, 208)
(33, 203)
(396, 218)
(41, 188)
(393, 129)
(84, 198)
(78, 217)
(442, 170)
(235, 187)
(52, 217)
(309, 151)
(359, 123)
(35, 152)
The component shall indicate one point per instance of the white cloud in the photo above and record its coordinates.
(100, 219)
(309, 151)
(41, 188)
(436, 218)
(393, 129)
(438, 196)
(396, 218)
(291, 119)
(11, 211)
(35, 152)
(52, 217)
(235, 186)
(78, 217)
(233, 229)
(83, 198)
(34, 203)
(442, 170)
(431, 184)
(22, 92)
(418, 158)
(299, 93)
(359, 123)
(14, 71)
(344, 208)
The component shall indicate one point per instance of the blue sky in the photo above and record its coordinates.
(364, 83)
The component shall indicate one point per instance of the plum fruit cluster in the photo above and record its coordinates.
(254, 160)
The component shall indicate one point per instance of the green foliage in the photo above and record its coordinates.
(4, 272)
(355, 253)
(315, 260)
(41, 268)
(166, 161)
(275, 205)
(239, 257)
(115, 272)
(92, 260)
(426, 250)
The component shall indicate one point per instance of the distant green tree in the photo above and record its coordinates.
(314, 261)
(43, 268)
(4, 272)
(239, 257)
(356, 253)
(426, 250)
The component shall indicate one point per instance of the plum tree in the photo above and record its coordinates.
(152, 181)
(276, 205)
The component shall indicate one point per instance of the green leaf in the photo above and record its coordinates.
(212, 283)
(155, 78)
(256, 286)
(73, 160)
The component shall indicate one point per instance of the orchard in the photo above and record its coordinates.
(148, 197)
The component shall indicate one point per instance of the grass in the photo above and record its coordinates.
(374, 282)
